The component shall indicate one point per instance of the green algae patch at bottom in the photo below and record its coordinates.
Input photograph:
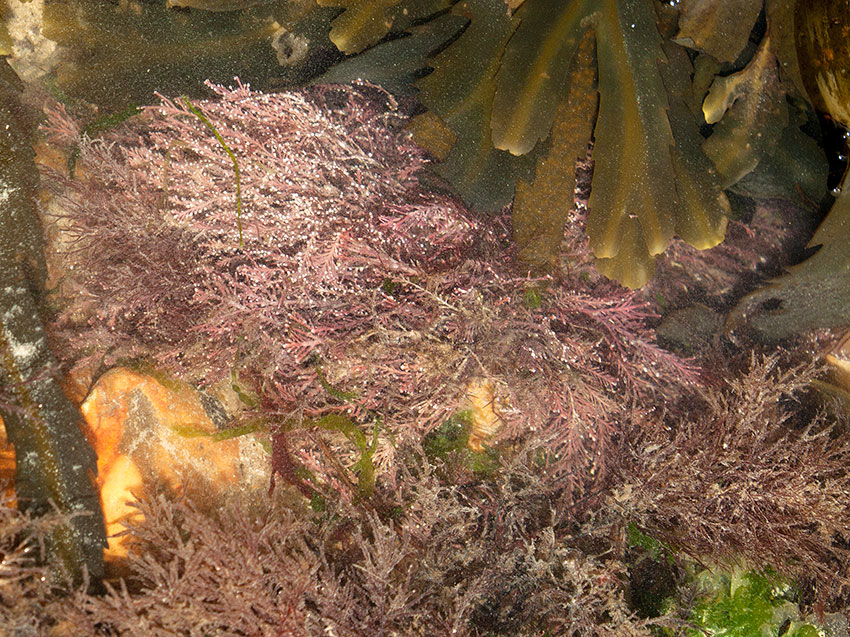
(452, 439)
(748, 604)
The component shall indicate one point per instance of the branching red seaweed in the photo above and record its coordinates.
(400, 296)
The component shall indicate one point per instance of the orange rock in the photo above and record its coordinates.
(484, 407)
(151, 434)
(7, 466)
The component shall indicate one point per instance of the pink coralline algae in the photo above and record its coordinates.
(353, 275)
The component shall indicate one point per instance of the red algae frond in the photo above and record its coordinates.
(350, 269)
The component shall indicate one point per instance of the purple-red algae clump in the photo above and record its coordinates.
(402, 297)
(366, 315)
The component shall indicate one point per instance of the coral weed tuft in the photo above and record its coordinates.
(405, 297)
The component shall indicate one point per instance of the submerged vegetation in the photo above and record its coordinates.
(376, 334)
(684, 119)
(679, 115)
(445, 548)
(454, 324)
(469, 430)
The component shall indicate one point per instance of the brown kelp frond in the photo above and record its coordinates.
(528, 79)
(512, 101)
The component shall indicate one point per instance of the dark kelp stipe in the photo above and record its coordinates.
(55, 466)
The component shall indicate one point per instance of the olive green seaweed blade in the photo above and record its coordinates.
(361, 24)
(632, 266)
(394, 65)
(703, 207)
(541, 208)
(783, 31)
(750, 111)
(460, 91)
(463, 81)
(633, 201)
(532, 77)
(721, 29)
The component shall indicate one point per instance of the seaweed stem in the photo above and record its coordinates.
(200, 115)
